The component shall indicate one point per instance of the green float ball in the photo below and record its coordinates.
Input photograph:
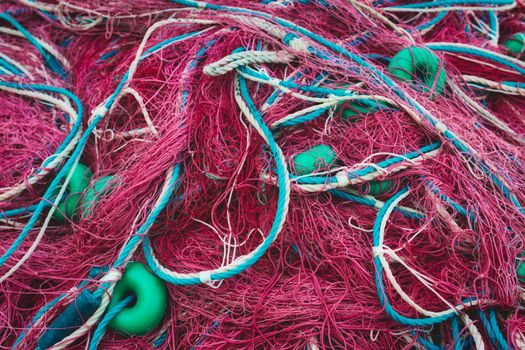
(352, 112)
(80, 178)
(376, 188)
(420, 63)
(67, 208)
(150, 301)
(516, 43)
(100, 188)
(320, 156)
(520, 266)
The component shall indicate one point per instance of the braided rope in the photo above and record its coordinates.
(241, 263)
(231, 62)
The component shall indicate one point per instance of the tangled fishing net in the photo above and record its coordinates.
(288, 174)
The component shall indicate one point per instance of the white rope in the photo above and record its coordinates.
(239, 59)
(449, 8)
(150, 129)
(48, 47)
(473, 330)
(342, 182)
(18, 65)
(486, 115)
(63, 105)
(380, 250)
(113, 276)
(494, 85)
(360, 5)
(204, 275)
(35, 243)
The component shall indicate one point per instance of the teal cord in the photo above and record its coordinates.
(101, 328)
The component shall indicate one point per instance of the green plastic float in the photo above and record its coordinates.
(376, 188)
(150, 301)
(309, 161)
(82, 195)
(419, 63)
(520, 266)
(516, 43)
(78, 183)
(99, 188)
(352, 111)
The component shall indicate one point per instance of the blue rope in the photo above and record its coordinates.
(18, 211)
(304, 118)
(291, 85)
(9, 67)
(433, 21)
(50, 192)
(372, 203)
(495, 336)
(458, 344)
(319, 180)
(101, 328)
(51, 62)
(376, 73)
(493, 23)
(450, 3)
(457, 207)
(278, 215)
(78, 150)
(479, 53)
(499, 336)
(414, 322)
